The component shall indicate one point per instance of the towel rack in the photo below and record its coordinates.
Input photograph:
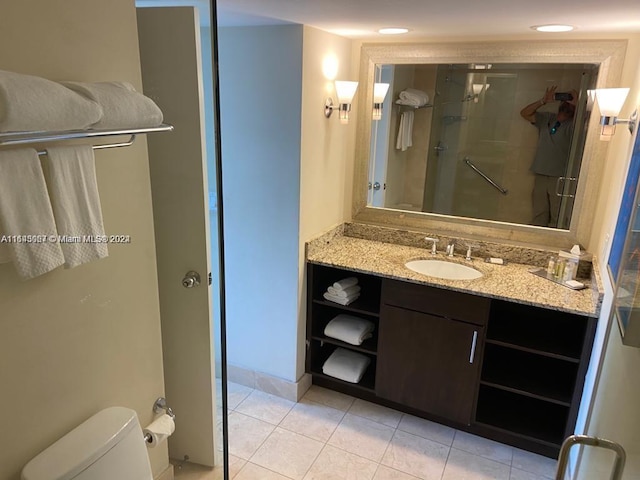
(25, 138)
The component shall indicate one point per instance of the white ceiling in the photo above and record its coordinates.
(444, 18)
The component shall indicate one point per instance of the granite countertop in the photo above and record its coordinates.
(512, 281)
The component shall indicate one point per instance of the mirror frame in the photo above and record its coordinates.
(609, 54)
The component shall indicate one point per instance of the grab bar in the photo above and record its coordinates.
(485, 176)
(618, 465)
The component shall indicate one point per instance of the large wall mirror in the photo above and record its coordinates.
(459, 158)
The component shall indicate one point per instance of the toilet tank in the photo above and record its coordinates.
(108, 446)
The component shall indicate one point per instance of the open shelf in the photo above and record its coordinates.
(548, 332)
(528, 374)
(320, 351)
(525, 416)
(367, 303)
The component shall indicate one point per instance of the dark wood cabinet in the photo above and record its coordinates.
(535, 361)
(429, 363)
(507, 371)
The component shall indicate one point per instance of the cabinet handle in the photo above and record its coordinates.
(473, 347)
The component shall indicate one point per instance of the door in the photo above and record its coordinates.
(427, 362)
(172, 77)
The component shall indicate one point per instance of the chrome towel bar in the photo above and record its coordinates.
(468, 161)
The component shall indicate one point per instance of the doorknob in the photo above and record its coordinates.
(191, 279)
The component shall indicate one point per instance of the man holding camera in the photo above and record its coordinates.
(552, 154)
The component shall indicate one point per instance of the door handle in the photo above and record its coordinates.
(191, 279)
(474, 341)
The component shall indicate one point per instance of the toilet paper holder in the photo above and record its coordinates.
(160, 406)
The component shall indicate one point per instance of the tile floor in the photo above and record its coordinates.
(328, 435)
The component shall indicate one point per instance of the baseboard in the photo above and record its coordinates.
(266, 383)
(167, 474)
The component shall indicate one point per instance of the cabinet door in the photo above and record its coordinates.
(429, 363)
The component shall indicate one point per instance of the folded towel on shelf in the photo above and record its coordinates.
(350, 329)
(345, 283)
(343, 293)
(26, 216)
(71, 177)
(405, 132)
(341, 300)
(30, 103)
(413, 97)
(122, 105)
(346, 365)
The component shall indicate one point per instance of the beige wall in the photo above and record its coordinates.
(616, 410)
(326, 170)
(75, 341)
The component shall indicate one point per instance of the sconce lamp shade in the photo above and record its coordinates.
(611, 100)
(379, 93)
(477, 88)
(346, 91)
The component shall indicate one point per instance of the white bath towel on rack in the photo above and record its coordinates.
(346, 365)
(29, 103)
(27, 225)
(405, 131)
(71, 177)
(122, 105)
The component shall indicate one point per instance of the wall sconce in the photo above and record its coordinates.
(345, 92)
(610, 102)
(379, 93)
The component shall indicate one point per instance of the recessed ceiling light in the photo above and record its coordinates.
(393, 31)
(553, 28)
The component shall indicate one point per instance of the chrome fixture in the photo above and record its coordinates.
(379, 94)
(191, 279)
(451, 248)
(468, 161)
(433, 245)
(610, 102)
(345, 92)
(469, 247)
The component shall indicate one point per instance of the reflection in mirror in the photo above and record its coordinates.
(468, 152)
(474, 133)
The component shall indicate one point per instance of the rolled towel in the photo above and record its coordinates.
(346, 365)
(343, 293)
(413, 97)
(345, 283)
(341, 300)
(350, 329)
(29, 103)
(26, 214)
(71, 177)
(122, 105)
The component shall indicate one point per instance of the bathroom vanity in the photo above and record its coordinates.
(503, 356)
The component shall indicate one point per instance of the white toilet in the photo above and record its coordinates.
(108, 446)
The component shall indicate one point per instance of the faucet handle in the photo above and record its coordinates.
(433, 245)
(469, 247)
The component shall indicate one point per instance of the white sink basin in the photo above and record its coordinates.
(444, 270)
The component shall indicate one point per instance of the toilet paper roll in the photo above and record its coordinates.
(158, 430)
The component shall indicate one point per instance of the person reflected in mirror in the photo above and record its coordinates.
(552, 152)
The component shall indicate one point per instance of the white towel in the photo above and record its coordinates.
(413, 97)
(345, 283)
(346, 365)
(71, 177)
(25, 212)
(343, 293)
(29, 103)
(122, 105)
(350, 329)
(341, 300)
(405, 131)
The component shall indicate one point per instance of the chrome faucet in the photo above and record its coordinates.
(433, 245)
(451, 247)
